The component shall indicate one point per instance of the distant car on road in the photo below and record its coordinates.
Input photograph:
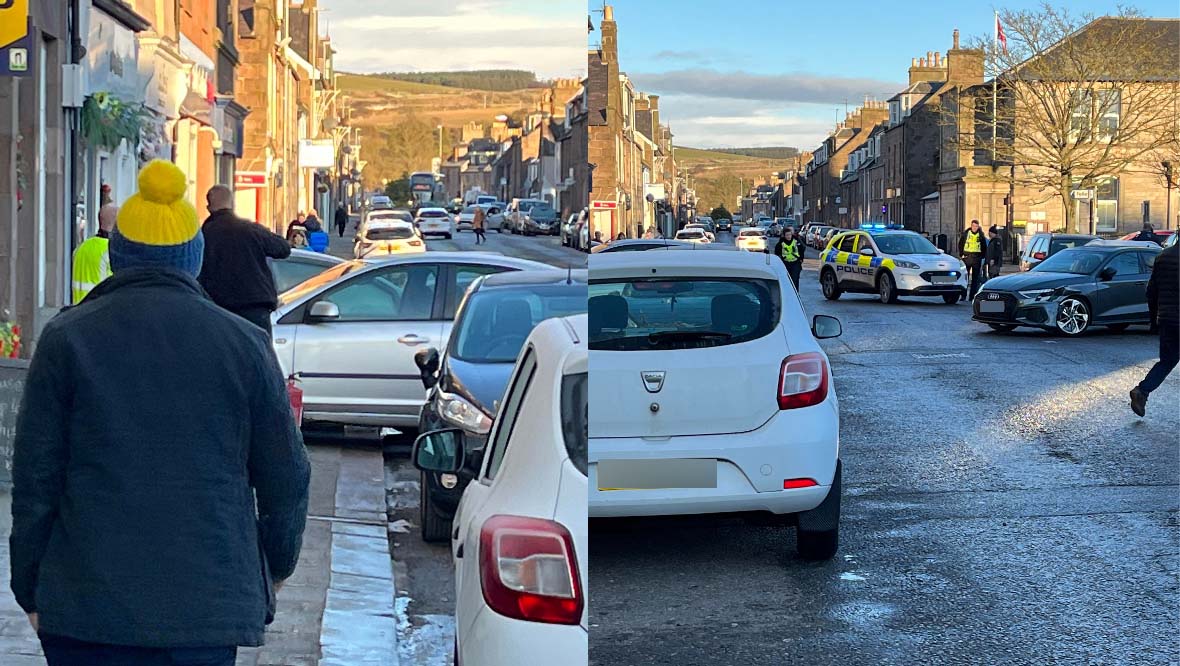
(752, 239)
(383, 238)
(520, 546)
(541, 221)
(493, 216)
(352, 331)
(435, 222)
(705, 228)
(569, 229)
(1044, 245)
(639, 245)
(465, 218)
(724, 225)
(380, 201)
(682, 321)
(1103, 283)
(517, 211)
(464, 384)
(693, 235)
(301, 265)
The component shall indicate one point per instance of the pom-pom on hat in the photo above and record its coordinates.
(158, 226)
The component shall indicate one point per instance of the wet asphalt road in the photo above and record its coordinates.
(1002, 506)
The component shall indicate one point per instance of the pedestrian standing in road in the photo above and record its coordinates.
(477, 224)
(791, 251)
(235, 272)
(995, 253)
(1163, 300)
(92, 259)
(159, 480)
(341, 220)
(972, 249)
(1147, 233)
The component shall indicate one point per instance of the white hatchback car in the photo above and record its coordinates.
(665, 325)
(434, 221)
(382, 238)
(520, 539)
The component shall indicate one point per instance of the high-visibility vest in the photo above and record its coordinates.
(92, 264)
(973, 243)
(790, 251)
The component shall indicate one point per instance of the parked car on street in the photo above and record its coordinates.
(1044, 245)
(466, 379)
(569, 229)
(351, 332)
(516, 213)
(435, 222)
(541, 220)
(768, 442)
(301, 265)
(520, 545)
(384, 238)
(1102, 283)
(815, 235)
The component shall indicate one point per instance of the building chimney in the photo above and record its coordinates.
(937, 59)
(608, 13)
(956, 46)
(921, 62)
(913, 62)
(930, 58)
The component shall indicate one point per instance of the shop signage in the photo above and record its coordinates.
(250, 179)
(604, 204)
(316, 154)
(15, 41)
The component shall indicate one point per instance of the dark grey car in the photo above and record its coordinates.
(1103, 283)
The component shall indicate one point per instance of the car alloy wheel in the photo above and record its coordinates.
(886, 288)
(830, 287)
(1073, 317)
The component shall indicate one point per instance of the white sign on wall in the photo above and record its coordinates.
(316, 154)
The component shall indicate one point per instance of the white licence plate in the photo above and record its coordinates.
(942, 279)
(657, 474)
(991, 306)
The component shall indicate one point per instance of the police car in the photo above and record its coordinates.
(889, 261)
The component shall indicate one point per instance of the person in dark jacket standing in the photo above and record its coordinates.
(159, 481)
(790, 250)
(1163, 300)
(235, 272)
(972, 249)
(341, 220)
(1147, 233)
(313, 221)
(995, 253)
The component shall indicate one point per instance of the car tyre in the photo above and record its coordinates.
(435, 528)
(818, 532)
(830, 285)
(951, 299)
(1073, 317)
(887, 288)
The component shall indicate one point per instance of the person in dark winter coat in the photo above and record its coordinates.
(313, 221)
(159, 480)
(995, 253)
(972, 250)
(235, 272)
(791, 250)
(1147, 233)
(299, 223)
(341, 220)
(1163, 300)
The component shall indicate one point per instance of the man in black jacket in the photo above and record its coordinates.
(235, 272)
(159, 481)
(1147, 233)
(790, 250)
(1163, 300)
(341, 220)
(972, 249)
(995, 253)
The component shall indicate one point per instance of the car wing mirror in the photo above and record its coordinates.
(867, 251)
(427, 361)
(322, 311)
(824, 327)
(440, 451)
(1107, 273)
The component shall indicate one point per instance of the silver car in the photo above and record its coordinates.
(351, 332)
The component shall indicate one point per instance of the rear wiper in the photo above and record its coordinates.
(677, 336)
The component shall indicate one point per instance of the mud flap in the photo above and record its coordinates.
(826, 516)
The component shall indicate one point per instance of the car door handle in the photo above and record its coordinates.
(413, 339)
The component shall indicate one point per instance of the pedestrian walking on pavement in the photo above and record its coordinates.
(791, 250)
(341, 220)
(92, 259)
(1163, 300)
(972, 249)
(477, 224)
(1147, 233)
(235, 272)
(995, 253)
(159, 480)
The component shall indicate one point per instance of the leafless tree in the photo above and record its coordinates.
(1081, 99)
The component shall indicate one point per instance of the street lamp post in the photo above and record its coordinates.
(1168, 184)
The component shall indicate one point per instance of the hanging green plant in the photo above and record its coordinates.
(107, 121)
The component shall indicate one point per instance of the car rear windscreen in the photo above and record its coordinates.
(389, 233)
(1058, 244)
(681, 313)
(493, 324)
(575, 418)
(432, 213)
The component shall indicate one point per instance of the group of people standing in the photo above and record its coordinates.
(160, 482)
(983, 255)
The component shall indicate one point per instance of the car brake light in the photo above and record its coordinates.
(790, 484)
(1038, 255)
(803, 381)
(528, 570)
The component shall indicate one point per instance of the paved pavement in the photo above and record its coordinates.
(1002, 505)
(336, 610)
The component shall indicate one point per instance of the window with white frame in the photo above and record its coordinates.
(1106, 212)
(1101, 107)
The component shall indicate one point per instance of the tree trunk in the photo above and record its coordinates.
(1069, 210)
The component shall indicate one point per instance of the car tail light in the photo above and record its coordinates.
(1038, 255)
(803, 381)
(790, 484)
(528, 570)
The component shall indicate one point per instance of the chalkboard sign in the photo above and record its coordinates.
(12, 385)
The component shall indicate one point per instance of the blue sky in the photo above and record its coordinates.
(544, 36)
(761, 73)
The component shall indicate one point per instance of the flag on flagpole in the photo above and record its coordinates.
(1001, 40)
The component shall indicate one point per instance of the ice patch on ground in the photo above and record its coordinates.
(423, 640)
(847, 575)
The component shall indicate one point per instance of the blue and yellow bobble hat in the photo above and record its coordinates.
(158, 227)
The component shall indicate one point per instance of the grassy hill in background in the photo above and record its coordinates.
(502, 80)
(720, 175)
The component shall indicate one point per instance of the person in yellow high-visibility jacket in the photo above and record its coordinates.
(92, 259)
